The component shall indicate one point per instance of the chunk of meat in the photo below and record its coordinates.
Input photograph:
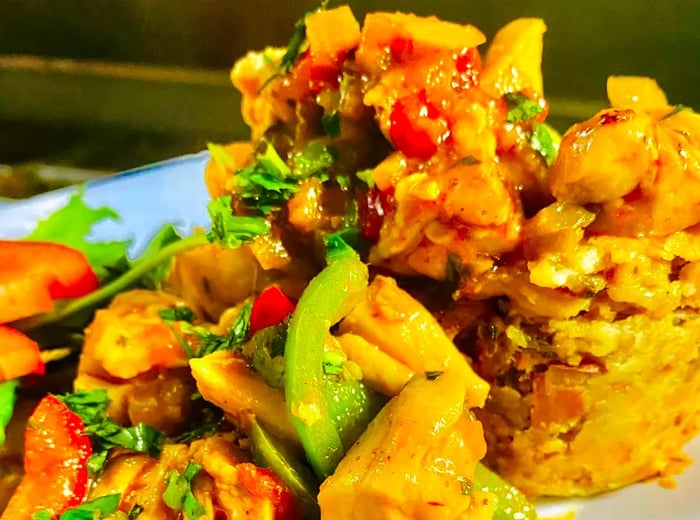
(129, 338)
(224, 378)
(402, 328)
(414, 461)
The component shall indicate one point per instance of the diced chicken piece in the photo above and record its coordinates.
(224, 378)
(402, 328)
(129, 338)
(514, 60)
(416, 460)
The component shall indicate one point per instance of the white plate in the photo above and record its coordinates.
(174, 191)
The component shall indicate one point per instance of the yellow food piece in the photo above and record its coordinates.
(224, 379)
(635, 91)
(402, 328)
(514, 60)
(413, 459)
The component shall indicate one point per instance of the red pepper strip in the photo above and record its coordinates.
(32, 274)
(264, 483)
(270, 308)
(19, 355)
(56, 451)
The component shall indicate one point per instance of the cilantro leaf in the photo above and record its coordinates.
(541, 141)
(72, 223)
(178, 313)
(231, 230)
(207, 421)
(8, 396)
(520, 107)
(178, 494)
(97, 508)
(91, 406)
(93, 510)
(295, 45)
(366, 176)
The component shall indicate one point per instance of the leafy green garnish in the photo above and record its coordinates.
(199, 341)
(296, 44)
(92, 510)
(8, 396)
(221, 156)
(207, 422)
(105, 434)
(72, 223)
(520, 107)
(331, 124)
(541, 141)
(155, 278)
(178, 494)
(178, 313)
(135, 512)
(232, 230)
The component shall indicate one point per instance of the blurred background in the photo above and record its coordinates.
(89, 87)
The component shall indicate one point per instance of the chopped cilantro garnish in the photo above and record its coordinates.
(521, 108)
(93, 510)
(178, 313)
(231, 230)
(221, 157)
(295, 45)
(178, 494)
(207, 421)
(366, 177)
(155, 278)
(541, 141)
(331, 124)
(198, 341)
(91, 406)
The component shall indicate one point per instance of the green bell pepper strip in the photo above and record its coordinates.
(8, 396)
(328, 297)
(271, 452)
(512, 504)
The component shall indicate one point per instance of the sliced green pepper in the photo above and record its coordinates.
(328, 297)
(8, 397)
(512, 504)
(271, 452)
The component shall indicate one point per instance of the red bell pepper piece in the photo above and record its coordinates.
(264, 483)
(33, 274)
(56, 451)
(270, 308)
(19, 355)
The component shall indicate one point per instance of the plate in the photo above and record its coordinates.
(174, 191)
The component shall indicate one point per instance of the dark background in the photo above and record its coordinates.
(112, 116)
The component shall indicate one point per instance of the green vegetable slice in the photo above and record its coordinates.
(8, 396)
(512, 504)
(521, 108)
(327, 298)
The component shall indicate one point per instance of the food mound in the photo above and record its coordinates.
(410, 278)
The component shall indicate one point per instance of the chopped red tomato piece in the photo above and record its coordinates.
(264, 483)
(270, 308)
(415, 126)
(32, 274)
(56, 451)
(19, 355)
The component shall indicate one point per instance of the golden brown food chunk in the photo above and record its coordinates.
(415, 461)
